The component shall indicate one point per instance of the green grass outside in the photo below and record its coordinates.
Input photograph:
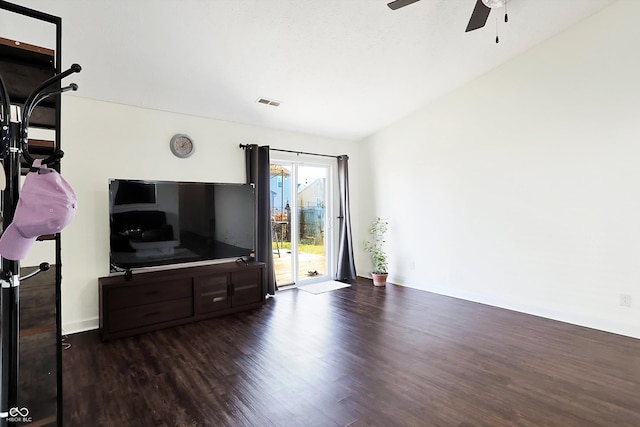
(307, 249)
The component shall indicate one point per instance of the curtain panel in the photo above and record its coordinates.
(257, 160)
(346, 269)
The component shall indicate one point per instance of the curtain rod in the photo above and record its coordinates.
(294, 152)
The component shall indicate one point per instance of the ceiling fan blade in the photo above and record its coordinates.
(397, 4)
(478, 17)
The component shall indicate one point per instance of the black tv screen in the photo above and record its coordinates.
(154, 223)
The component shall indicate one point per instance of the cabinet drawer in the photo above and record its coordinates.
(211, 293)
(135, 295)
(246, 277)
(247, 287)
(149, 314)
(246, 294)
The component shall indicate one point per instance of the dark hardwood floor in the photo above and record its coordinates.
(359, 356)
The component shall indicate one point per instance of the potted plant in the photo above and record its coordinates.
(378, 255)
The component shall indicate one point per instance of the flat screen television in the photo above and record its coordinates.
(158, 223)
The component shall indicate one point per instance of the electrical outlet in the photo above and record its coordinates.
(625, 300)
(412, 265)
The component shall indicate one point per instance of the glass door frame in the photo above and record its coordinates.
(296, 161)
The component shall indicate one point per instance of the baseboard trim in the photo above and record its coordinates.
(544, 312)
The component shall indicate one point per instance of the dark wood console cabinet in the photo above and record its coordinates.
(160, 299)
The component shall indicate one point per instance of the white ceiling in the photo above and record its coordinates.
(341, 68)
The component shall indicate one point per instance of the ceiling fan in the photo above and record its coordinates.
(478, 17)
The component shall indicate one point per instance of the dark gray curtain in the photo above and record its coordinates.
(346, 269)
(258, 174)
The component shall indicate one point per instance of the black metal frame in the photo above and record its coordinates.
(15, 135)
(245, 146)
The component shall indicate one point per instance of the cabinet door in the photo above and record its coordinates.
(211, 293)
(247, 287)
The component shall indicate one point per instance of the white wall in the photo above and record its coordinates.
(104, 140)
(521, 189)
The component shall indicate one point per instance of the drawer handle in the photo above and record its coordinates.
(151, 293)
(218, 299)
(155, 313)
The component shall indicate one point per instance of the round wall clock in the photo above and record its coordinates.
(182, 145)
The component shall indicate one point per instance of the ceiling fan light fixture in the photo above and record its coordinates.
(494, 3)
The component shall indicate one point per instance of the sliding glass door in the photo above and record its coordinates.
(301, 212)
(311, 248)
(281, 221)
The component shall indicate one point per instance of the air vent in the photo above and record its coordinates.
(271, 102)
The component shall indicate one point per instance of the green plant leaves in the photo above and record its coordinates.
(375, 247)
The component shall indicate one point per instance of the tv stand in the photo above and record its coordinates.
(148, 301)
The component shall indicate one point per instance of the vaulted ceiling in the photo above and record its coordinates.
(338, 68)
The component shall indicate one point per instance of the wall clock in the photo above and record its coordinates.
(182, 145)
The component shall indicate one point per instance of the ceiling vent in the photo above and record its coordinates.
(266, 101)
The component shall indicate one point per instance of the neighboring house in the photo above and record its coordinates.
(312, 194)
(280, 192)
(312, 211)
